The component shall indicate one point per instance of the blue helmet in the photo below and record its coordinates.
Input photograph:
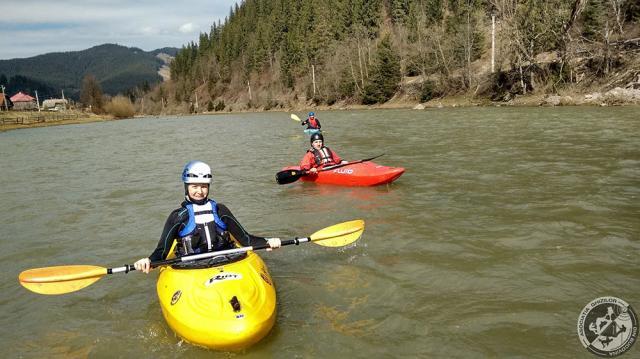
(196, 172)
(311, 114)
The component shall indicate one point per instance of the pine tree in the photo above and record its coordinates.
(371, 16)
(291, 56)
(593, 18)
(384, 76)
(320, 37)
(399, 11)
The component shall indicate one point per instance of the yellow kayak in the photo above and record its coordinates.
(221, 300)
(226, 306)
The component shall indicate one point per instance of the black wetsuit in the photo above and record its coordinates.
(309, 126)
(178, 219)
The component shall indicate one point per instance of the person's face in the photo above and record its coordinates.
(317, 144)
(198, 191)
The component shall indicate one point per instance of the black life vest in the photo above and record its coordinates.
(323, 156)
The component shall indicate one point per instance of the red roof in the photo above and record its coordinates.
(22, 97)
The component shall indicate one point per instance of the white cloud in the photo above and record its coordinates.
(187, 28)
(33, 27)
(148, 30)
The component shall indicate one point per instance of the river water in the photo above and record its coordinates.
(507, 222)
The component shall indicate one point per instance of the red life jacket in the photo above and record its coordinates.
(313, 123)
(323, 156)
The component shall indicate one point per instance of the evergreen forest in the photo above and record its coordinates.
(277, 53)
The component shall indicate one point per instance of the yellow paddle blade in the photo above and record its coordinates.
(60, 279)
(295, 117)
(339, 234)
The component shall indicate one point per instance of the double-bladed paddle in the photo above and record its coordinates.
(67, 279)
(290, 176)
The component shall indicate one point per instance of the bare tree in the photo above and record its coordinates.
(91, 94)
(618, 11)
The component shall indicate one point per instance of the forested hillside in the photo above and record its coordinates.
(116, 68)
(278, 53)
(20, 83)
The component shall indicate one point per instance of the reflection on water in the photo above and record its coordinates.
(506, 223)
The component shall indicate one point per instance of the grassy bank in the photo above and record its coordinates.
(11, 120)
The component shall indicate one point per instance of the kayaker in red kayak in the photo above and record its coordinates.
(319, 155)
(200, 224)
(312, 122)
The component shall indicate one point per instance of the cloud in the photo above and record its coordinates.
(33, 27)
(187, 28)
(148, 30)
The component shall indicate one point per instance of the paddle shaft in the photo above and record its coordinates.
(347, 164)
(67, 279)
(194, 257)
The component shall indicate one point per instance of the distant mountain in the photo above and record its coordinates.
(117, 68)
(171, 51)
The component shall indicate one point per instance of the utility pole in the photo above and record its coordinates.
(4, 99)
(313, 77)
(37, 101)
(493, 41)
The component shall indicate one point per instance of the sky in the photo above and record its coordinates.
(35, 27)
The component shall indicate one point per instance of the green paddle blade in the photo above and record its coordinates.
(295, 117)
(60, 279)
(339, 234)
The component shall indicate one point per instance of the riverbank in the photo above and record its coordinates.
(12, 120)
(615, 97)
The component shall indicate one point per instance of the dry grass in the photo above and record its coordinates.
(120, 107)
(11, 120)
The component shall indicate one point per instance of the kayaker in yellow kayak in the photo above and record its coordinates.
(200, 224)
(319, 155)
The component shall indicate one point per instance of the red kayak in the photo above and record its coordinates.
(357, 174)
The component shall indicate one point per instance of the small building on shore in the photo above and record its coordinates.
(55, 104)
(22, 101)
